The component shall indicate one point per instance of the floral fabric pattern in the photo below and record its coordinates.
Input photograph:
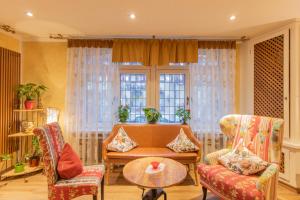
(230, 184)
(243, 161)
(182, 143)
(121, 142)
(262, 140)
(87, 183)
(261, 135)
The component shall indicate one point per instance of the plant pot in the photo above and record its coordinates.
(19, 168)
(34, 161)
(29, 104)
(152, 122)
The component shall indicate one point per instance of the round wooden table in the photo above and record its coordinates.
(172, 174)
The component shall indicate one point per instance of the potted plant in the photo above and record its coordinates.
(34, 159)
(5, 158)
(19, 167)
(39, 89)
(27, 91)
(152, 115)
(123, 113)
(30, 91)
(183, 114)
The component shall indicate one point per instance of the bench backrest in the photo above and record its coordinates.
(152, 135)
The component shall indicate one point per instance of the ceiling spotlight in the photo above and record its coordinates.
(29, 14)
(132, 16)
(232, 17)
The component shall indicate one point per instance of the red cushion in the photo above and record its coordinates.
(228, 183)
(69, 164)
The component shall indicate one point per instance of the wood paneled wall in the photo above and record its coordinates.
(268, 77)
(10, 66)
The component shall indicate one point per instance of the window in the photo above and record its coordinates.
(171, 96)
(163, 88)
(133, 94)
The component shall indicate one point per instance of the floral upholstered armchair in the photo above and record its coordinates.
(263, 136)
(87, 183)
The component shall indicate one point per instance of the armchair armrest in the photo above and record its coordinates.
(212, 158)
(269, 173)
(105, 143)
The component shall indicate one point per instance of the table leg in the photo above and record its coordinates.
(154, 194)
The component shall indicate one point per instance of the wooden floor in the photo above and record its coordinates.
(36, 189)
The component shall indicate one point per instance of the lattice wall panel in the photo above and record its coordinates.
(268, 77)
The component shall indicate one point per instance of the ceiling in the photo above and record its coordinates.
(163, 18)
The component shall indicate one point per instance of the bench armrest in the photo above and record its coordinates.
(105, 143)
(212, 158)
(192, 137)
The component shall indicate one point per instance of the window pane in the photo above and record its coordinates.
(172, 96)
(133, 93)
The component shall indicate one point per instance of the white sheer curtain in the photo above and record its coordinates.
(91, 99)
(212, 83)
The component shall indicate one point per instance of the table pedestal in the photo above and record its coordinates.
(154, 194)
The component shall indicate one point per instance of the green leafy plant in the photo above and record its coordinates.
(36, 147)
(30, 90)
(5, 157)
(152, 115)
(123, 112)
(183, 114)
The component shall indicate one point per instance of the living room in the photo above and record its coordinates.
(149, 99)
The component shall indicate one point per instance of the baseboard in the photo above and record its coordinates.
(289, 187)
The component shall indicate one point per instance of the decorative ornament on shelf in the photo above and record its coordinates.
(27, 126)
(152, 115)
(184, 115)
(123, 112)
(30, 91)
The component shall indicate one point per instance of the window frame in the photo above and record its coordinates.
(173, 70)
(153, 81)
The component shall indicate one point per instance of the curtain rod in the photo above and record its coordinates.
(207, 38)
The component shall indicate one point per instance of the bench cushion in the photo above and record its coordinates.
(140, 152)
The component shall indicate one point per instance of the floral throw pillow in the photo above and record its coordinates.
(121, 142)
(242, 161)
(182, 143)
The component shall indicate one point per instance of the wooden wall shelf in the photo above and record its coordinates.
(20, 134)
(32, 110)
(28, 170)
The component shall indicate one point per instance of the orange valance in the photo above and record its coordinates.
(230, 44)
(152, 52)
(155, 52)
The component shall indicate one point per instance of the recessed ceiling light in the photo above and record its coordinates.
(232, 17)
(132, 16)
(29, 14)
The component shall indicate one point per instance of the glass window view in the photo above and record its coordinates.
(172, 96)
(133, 94)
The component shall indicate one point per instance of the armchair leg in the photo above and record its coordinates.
(204, 191)
(95, 197)
(102, 189)
(196, 174)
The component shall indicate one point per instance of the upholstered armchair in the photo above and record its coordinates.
(87, 183)
(263, 136)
